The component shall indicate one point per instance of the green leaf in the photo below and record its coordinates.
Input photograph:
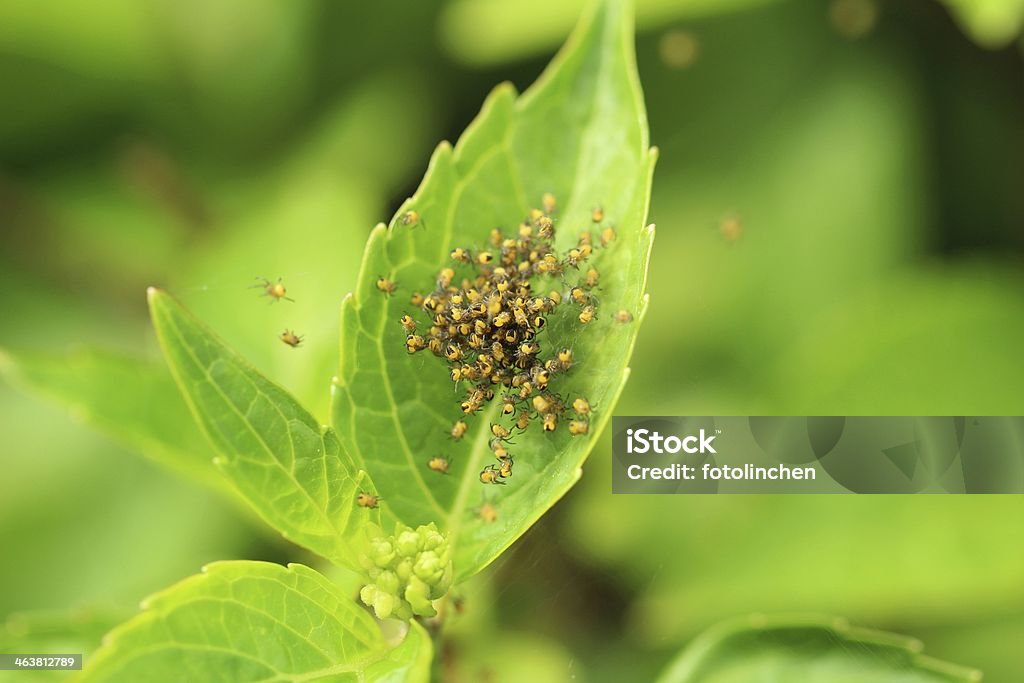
(580, 132)
(256, 621)
(758, 649)
(131, 399)
(292, 470)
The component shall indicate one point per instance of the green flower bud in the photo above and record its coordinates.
(428, 567)
(446, 579)
(408, 543)
(404, 569)
(388, 582)
(432, 539)
(418, 596)
(384, 605)
(403, 611)
(406, 572)
(382, 552)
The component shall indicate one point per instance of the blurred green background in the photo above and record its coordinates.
(840, 203)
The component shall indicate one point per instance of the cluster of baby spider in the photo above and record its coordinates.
(487, 313)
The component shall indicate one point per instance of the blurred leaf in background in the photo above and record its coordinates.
(992, 23)
(809, 649)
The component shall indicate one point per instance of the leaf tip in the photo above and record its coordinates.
(653, 153)
(503, 89)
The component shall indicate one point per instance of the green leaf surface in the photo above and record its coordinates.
(131, 399)
(256, 621)
(292, 470)
(766, 650)
(580, 132)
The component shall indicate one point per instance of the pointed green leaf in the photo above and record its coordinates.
(256, 621)
(132, 399)
(758, 649)
(292, 470)
(580, 132)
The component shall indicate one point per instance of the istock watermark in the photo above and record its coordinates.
(818, 454)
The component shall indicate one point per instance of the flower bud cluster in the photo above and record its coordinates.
(407, 572)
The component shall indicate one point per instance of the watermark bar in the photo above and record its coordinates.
(819, 454)
(41, 662)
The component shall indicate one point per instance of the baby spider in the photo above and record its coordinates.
(439, 464)
(544, 403)
(508, 404)
(490, 475)
(290, 338)
(549, 203)
(578, 427)
(458, 430)
(587, 315)
(499, 450)
(607, 235)
(412, 219)
(581, 406)
(274, 290)
(731, 227)
(597, 215)
(505, 469)
(385, 285)
(367, 500)
(488, 513)
(408, 323)
(623, 316)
